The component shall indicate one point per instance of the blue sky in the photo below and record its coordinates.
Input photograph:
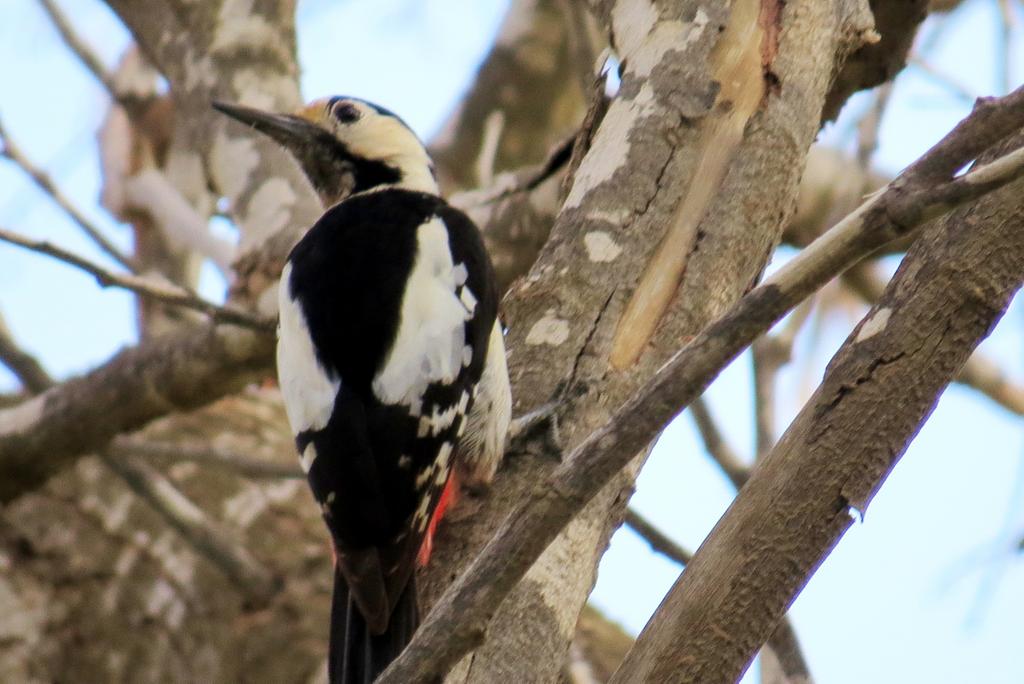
(926, 589)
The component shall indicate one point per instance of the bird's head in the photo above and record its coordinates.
(345, 145)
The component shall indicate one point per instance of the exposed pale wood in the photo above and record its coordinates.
(735, 63)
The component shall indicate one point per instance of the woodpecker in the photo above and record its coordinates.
(390, 359)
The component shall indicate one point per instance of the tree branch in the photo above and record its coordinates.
(950, 291)
(13, 152)
(163, 292)
(255, 581)
(882, 58)
(516, 212)
(151, 191)
(658, 540)
(529, 82)
(178, 371)
(770, 353)
(458, 621)
(81, 49)
(249, 575)
(721, 453)
(736, 64)
(783, 643)
(979, 373)
(239, 464)
(25, 367)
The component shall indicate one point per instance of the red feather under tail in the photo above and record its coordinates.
(447, 500)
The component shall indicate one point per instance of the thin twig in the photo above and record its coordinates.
(13, 152)
(720, 451)
(459, 619)
(147, 287)
(658, 540)
(220, 547)
(8, 400)
(25, 367)
(514, 182)
(581, 45)
(78, 46)
(868, 128)
(984, 375)
(240, 464)
(784, 645)
(766, 367)
(1005, 48)
(955, 88)
(770, 353)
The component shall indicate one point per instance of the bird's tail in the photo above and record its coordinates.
(356, 656)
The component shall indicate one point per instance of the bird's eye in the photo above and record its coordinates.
(345, 112)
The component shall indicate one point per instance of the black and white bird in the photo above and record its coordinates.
(390, 359)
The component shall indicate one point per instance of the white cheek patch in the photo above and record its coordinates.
(307, 389)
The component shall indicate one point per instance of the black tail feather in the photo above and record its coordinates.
(356, 656)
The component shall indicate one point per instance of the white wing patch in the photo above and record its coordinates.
(307, 389)
(431, 334)
(307, 458)
(468, 301)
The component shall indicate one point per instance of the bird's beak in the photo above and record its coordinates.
(293, 132)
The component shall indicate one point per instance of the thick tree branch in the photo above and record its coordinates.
(459, 619)
(247, 573)
(167, 293)
(782, 645)
(882, 58)
(950, 291)
(979, 373)
(621, 196)
(179, 371)
(735, 64)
